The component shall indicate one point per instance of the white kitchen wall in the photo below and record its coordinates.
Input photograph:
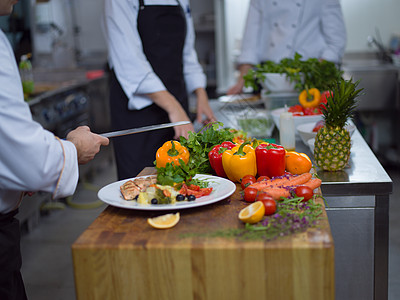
(88, 14)
(363, 17)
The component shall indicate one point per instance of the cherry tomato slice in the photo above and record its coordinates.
(305, 192)
(269, 203)
(250, 194)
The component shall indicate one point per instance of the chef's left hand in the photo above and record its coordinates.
(203, 108)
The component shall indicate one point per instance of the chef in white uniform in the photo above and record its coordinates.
(278, 29)
(31, 159)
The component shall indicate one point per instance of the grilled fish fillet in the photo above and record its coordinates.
(131, 188)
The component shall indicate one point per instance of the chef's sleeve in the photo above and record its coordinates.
(334, 30)
(251, 47)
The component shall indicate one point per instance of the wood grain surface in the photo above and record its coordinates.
(120, 256)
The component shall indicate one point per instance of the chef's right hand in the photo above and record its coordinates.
(86, 142)
(237, 88)
(175, 112)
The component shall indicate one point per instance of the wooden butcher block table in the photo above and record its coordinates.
(120, 256)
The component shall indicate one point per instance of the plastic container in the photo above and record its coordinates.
(26, 73)
(287, 133)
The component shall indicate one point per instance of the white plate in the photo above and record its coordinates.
(222, 188)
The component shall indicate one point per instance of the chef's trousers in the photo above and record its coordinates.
(11, 283)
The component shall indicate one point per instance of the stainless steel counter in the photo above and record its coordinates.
(358, 200)
(358, 212)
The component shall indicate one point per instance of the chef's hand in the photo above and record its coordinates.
(238, 87)
(175, 112)
(86, 142)
(203, 107)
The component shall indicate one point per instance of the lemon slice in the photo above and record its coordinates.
(164, 221)
(252, 213)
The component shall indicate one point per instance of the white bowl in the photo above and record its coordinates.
(298, 120)
(310, 144)
(306, 133)
(277, 83)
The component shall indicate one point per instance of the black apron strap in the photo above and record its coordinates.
(162, 29)
(11, 283)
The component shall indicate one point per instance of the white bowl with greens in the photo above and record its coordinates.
(277, 83)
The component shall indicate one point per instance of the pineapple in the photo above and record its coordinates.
(332, 143)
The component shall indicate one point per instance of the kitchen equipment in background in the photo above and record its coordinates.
(62, 112)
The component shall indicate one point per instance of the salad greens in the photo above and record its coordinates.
(310, 73)
(198, 144)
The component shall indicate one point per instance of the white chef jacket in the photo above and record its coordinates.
(125, 52)
(276, 29)
(31, 158)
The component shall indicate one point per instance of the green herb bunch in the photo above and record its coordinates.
(172, 174)
(310, 73)
(292, 216)
(200, 143)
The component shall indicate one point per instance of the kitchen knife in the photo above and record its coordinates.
(142, 129)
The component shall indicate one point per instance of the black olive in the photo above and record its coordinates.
(191, 197)
(180, 197)
(154, 201)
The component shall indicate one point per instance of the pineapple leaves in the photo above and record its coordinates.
(341, 105)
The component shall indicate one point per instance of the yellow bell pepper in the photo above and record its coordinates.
(239, 161)
(171, 152)
(310, 98)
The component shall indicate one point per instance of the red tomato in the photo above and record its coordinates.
(305, 192)
(247, 180)
(318, 126)
(194, 187)
(324, 96)
(201, 192)
(296, 109)
(248, 177)
(263, 178)
(269, 203)
(250, 194)
(310, 111)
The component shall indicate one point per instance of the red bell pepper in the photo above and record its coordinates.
(270, 160)
(215, 157)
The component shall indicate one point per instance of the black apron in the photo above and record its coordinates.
(11, 283)
(162, 29)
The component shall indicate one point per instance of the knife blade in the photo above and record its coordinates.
(142, 129)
